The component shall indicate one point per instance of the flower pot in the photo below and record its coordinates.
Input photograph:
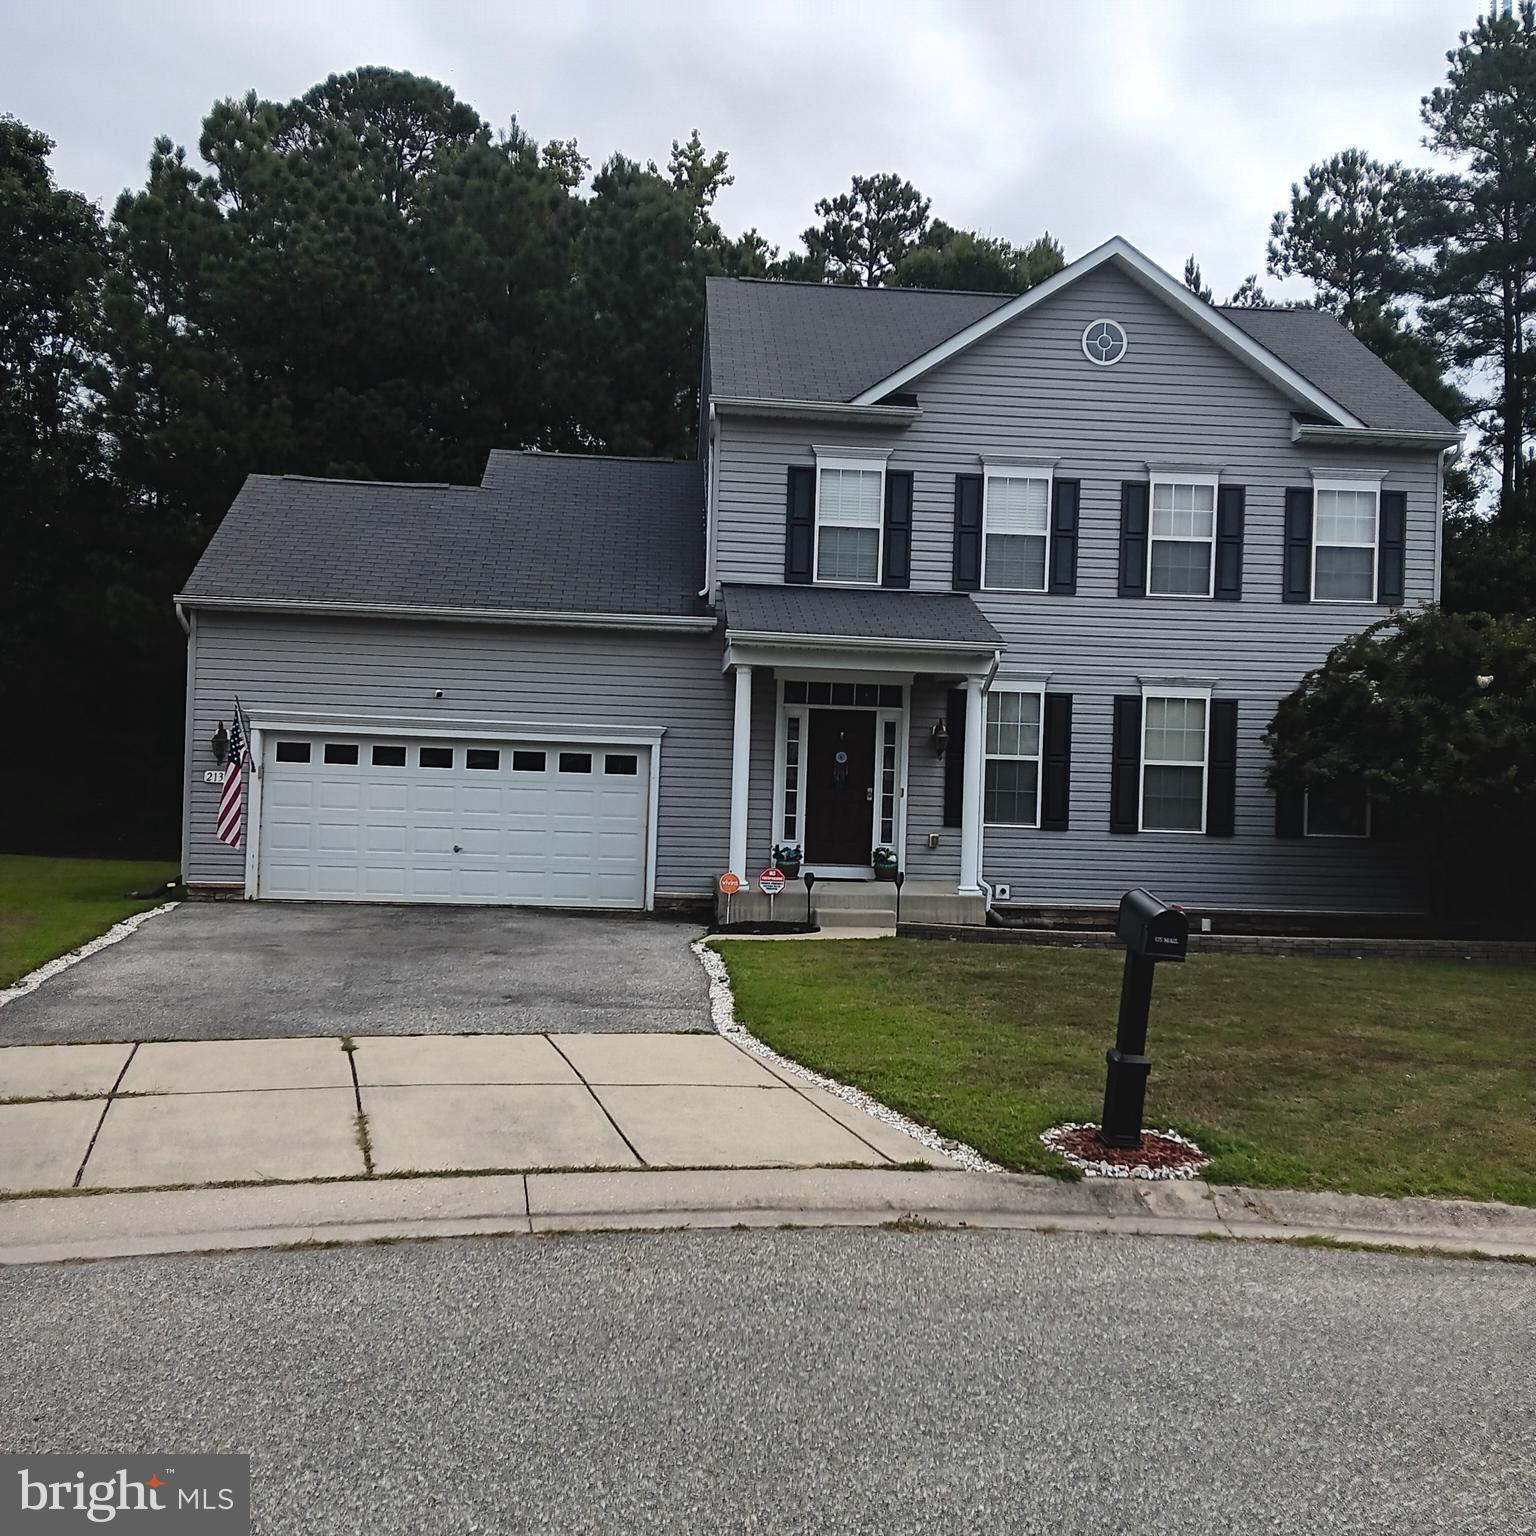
(884, 872)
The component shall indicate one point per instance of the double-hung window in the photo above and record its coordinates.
(1345, 519)
(1012, 788)
(1016, 529)
(1340, 810)
(850, 519)
(1175, 738)
(1183, 536)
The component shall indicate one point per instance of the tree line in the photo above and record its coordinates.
(371, 281)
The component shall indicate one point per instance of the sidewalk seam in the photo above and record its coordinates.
(618, 1129)
(111, 1096)
(364, 1138)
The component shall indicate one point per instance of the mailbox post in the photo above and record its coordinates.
(1151, 931)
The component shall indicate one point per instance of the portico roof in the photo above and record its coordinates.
(825, 616)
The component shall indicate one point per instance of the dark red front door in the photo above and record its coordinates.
(840, 783)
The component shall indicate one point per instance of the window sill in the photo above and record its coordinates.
(1172, 831)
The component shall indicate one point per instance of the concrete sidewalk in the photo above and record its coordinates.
(157, 1114)
(51, 1229)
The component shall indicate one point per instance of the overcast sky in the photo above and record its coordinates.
(1179, 124)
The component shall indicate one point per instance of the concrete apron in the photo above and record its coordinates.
(98, 1226)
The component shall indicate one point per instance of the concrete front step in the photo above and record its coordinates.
(868, 903)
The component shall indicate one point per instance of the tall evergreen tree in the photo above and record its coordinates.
(946, 257)
(865, 231)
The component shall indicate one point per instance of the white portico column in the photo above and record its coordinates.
(741, 757)
(970, 804)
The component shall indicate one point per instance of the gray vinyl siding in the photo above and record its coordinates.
(606, 678)
(1176, 396)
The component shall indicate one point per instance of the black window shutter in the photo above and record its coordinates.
(1298, 545)
(1135, 496)
(1221, 775)
(1229, 543)
(1392, 547)
(1290, 813)
(800, 524)
(1125, 765)
(954, 758)
(1056, 765)
(1064, 499)
(898, 528)
(967, 577)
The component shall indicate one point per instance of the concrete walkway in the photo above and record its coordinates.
(155, 1114)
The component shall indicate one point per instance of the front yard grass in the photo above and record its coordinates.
(51, 906)
(1386, 1077)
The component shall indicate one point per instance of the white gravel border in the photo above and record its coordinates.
(114, 935)
(1100, 1170)
(722, 1010)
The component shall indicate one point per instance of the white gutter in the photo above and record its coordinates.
(529, 616)
(814, 410)
(864, 643)
(181, 616)
(1370, 437)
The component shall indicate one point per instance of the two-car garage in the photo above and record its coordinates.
(339, 815)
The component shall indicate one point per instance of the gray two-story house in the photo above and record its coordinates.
(1002, 590)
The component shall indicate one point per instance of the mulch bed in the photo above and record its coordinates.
(1161, 1155)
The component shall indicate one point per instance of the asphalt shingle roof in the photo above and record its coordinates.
(844, 613)
(543, 532)
(1319, 348)
(828, 343)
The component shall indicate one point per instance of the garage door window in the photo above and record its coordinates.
(575, 762)
(527, 762)
(343, 752)
(389, 757)
(482, 757)
(293, 751)
(621, 762)
(434, 757)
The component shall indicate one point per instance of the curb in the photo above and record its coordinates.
(51, 1229)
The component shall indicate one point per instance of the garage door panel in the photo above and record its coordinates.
(385, 832)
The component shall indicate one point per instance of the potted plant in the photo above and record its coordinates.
(787, 857)
(885, 863)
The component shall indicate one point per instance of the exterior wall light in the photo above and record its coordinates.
(939, 736)
(220, 743)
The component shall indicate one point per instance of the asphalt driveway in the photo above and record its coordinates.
(211, 971)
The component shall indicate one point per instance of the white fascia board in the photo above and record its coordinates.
(1373, 437)
(816, 410)
(346, 723)
(1146, 271)
(831, 654)
(527, 616)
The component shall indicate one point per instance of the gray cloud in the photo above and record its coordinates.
(1180, 124)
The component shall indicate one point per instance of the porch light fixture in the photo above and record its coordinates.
(939, 736)
(220, 743)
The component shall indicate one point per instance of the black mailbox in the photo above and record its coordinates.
(1151, 930)
(1149, 927)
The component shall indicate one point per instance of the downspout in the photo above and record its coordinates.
(981, 834)
(1440, 459)
(711, 503)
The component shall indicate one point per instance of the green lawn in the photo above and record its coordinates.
(1379, 1076)
(49, 906)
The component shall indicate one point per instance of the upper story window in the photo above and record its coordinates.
(1174, 758)
(850, 501)
(1012, 788)
(1183, 537)
(1345, 523)
(1016, 529)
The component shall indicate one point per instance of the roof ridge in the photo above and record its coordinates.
(801, 282)
(597, 458)
(409, 485)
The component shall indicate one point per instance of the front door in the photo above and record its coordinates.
(840, 784)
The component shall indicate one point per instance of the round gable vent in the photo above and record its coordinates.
(1104, 342)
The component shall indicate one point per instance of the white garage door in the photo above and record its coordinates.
(394, 819)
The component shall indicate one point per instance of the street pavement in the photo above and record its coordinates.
(235, 970)
(880, 1381)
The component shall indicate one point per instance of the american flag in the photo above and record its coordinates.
(232, 798)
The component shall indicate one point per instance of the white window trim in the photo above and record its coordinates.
(1348, 837)
(1018, 469)
(1004, 685)
(1372, 484)
(831, 458)
(1169, 477)
(1174, 691)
